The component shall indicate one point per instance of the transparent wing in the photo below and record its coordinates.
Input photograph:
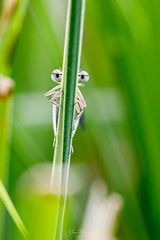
(82, 121)
(76, 122)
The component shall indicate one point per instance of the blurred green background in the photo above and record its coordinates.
(121, 144)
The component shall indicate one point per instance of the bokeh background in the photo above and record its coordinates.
(116, 160)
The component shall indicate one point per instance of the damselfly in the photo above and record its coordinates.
(55, 94)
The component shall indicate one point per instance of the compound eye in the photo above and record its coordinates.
(56, 76)
(83, 77)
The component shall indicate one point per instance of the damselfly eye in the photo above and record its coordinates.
(83, 77)
(56, 76)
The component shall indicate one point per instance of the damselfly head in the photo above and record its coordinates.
(56, 76)
(83, 77)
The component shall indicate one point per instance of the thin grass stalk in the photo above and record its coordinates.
(11, 19)
(6, 86)
(12, 211)
(11, 22)
(71, 65)
(6, 89)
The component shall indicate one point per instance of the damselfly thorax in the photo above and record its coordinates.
(55, 94)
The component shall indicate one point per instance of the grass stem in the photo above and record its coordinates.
(6, 87)
(71, 65)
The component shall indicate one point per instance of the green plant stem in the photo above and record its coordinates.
(5, 132)
(13, 13)
(11, 21)
(12, 211)
(6, 89)
(71, 64)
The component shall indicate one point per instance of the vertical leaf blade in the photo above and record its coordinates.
(12, 211)
(71, 64)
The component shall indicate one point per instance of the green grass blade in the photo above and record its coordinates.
(12, 211)
(6, 88)
(72, 55)
(71, 64)
(10, 28)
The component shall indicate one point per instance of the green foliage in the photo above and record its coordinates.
(5, 132)
(71, 65)
(10, 25)
(12, 211)
(121, 144)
